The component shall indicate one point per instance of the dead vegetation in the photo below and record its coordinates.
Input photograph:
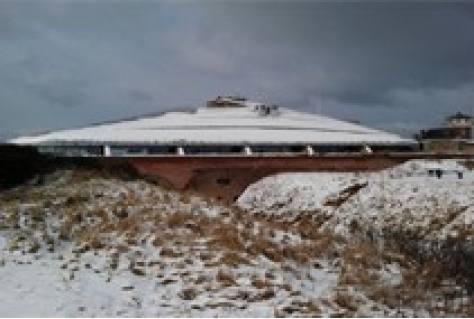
(127, 220)
(344, 195)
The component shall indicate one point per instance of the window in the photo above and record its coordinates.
(223, 181)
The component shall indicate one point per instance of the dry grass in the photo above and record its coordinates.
(308, 226)
(344, 195)
(346, 301)
(396, 257)
(170, 253)
(126, 225)
(226, 237)
(189, 293)
(309, 308)
(261, 283)
(469, 312)
(225, 278)
(384, 295)
(469, 164)
(233, 259)
(264, 295)
(168, 282)
(266, 248)
(220, 304)
(362, 255)
(201, 279)
(177, 220)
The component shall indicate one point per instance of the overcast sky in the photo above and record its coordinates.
(394, 65)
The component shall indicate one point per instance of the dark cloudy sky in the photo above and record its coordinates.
(394, 65)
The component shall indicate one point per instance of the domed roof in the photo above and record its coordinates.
(238, 122)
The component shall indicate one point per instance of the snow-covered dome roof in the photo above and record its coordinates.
(238, 122)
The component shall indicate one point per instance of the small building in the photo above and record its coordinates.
(446, 168)
(459, 120)
(454, 136)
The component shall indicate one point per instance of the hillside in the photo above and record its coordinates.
(88, 243)
(409, 198)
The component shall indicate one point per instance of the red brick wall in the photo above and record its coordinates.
(225, 178)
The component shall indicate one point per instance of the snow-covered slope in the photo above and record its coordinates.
(82, 244)
(406, 198)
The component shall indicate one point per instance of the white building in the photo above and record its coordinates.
(225, 126)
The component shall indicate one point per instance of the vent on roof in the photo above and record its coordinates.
(266, 110)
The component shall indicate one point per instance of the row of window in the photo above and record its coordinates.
(157, 150)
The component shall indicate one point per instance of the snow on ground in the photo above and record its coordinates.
(409, 197)
(285, 193)
(433, 208)
(83, 244)
(422, 208)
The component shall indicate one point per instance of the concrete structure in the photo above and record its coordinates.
(221, 148)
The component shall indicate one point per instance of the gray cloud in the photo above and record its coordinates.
(398, 66)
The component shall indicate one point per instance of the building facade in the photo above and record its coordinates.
(221, 148)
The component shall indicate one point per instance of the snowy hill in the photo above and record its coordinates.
(81, 243)
(422, 208)
(409, 196)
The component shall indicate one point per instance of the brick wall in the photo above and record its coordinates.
(225, 178)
